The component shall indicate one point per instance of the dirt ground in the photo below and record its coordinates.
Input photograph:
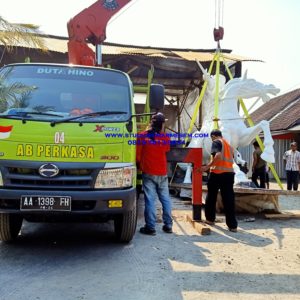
(261, 260)
(84, 262)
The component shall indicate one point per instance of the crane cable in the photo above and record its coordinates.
(219, 15)
(218, 35)
(219, 8)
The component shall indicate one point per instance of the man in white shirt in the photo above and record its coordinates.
(292, 167)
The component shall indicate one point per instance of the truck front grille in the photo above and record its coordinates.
(70, 176)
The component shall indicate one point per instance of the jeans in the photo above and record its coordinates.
(292, 180)
(223, 182)
(261, 173)
(154, 186)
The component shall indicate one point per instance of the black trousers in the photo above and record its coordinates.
(223, 182)
(292, 178)
(261, 174)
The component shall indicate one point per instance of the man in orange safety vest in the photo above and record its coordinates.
(221, 177)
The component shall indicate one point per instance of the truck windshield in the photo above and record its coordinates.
(52, 93)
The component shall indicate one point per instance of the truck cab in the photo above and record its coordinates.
(66, 150)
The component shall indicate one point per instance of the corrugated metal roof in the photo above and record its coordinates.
(53, 44)
(59, 44)
(204, 56)
(175, 68)
(200, 55)
(121, 50)
(208, 56)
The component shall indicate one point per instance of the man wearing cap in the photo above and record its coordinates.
(221, 178)
(152, 146)
(292, 167)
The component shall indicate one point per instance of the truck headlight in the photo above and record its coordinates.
(115, 178)
(1, 179)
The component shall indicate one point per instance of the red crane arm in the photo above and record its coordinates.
(89, 26)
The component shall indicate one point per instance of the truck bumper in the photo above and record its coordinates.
(82, 202)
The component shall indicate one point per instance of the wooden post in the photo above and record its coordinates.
(194, 156)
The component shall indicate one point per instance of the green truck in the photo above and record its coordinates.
(66, 146)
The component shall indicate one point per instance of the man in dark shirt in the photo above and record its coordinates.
(152, 146)
(258, 167)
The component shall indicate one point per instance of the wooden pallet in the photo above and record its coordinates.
(282, 216)
(249, 200)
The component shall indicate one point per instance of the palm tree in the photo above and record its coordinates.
(15, 94)
(11, 34)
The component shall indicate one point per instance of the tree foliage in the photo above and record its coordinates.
(14, 34)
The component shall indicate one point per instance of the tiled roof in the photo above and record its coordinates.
(282, 112)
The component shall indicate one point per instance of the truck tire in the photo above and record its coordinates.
(10, 226)
(125, 225)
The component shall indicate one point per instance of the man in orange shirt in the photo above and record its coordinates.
(221, 178)
(152, 146)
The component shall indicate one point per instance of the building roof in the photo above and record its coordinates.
(283, 112)
(176, 69)
(59, 44)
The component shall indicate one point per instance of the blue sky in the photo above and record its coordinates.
(261, 29)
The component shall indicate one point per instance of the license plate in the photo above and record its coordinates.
(46, 203)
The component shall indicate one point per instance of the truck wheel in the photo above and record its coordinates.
(125, 225)
(10, 226)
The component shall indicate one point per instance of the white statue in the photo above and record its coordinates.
(230, 122)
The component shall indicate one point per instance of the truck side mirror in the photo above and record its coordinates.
(157, 96)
